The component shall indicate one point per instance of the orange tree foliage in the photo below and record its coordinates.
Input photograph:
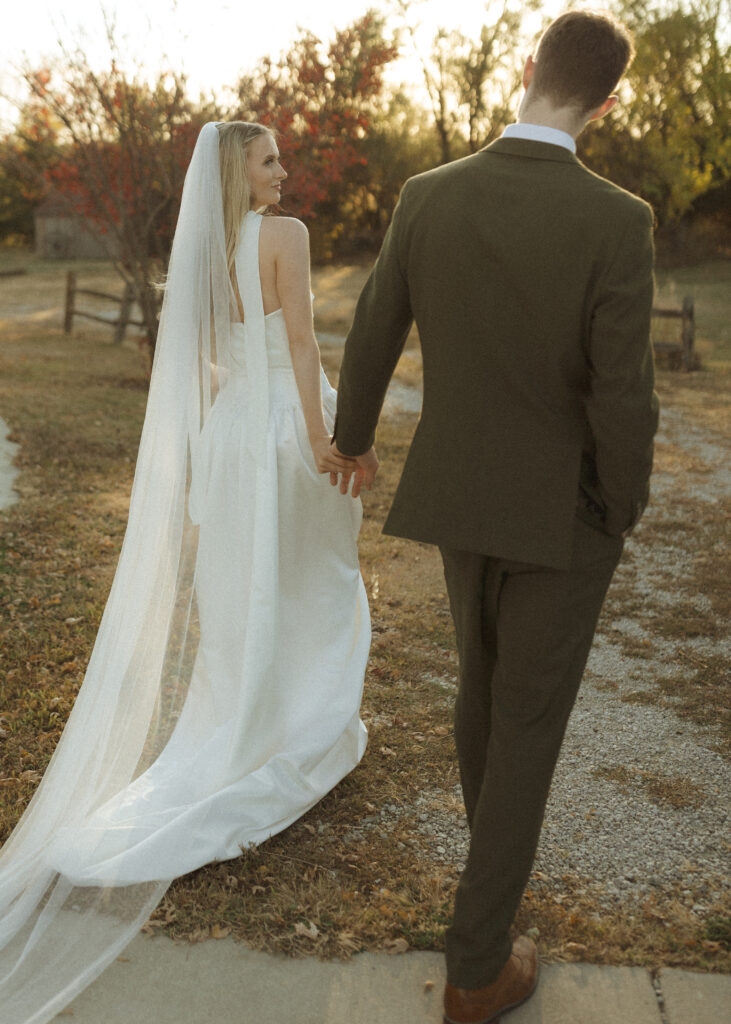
(322, 101)
(123, 146)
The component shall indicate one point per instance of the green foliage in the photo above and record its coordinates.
(26, 155)
(398, 144)
(669, 139)
(718, 929)
(16, 208)
(472, 83)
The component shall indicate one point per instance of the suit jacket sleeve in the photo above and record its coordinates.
(382, 321)
(622, 407)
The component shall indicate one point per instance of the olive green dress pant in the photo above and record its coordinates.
(523, 636)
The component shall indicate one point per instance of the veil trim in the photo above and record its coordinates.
(57, 934)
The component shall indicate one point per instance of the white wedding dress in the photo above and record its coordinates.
(271, 719)
(221, 698)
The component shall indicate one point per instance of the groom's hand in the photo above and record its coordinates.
(366, 467)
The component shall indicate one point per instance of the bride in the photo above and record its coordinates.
(221, 700)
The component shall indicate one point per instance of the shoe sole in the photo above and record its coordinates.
(495, 1019)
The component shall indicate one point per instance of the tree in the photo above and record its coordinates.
(399, 143)
(322, 101)
(26, 154)
(669, 139)
(124, 143)
(472, 83)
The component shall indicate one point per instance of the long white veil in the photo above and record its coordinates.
(57, 935)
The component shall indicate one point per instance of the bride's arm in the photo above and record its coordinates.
(292, 266)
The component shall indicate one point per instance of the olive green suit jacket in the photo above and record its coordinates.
(530, 280)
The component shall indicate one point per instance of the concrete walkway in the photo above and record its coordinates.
(157, 981)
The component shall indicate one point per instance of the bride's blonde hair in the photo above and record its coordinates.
(234, 139)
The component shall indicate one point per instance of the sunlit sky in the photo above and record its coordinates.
(213, 41)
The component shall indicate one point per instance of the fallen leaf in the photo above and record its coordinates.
(428, 986)
(308, 828)
(711, 947)
(309, 931)
(396, 946)
(123, 959)
(219, 932)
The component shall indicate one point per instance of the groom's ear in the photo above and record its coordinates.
(604, 108)
(530, 66)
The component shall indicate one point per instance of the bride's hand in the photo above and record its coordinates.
(328, 459)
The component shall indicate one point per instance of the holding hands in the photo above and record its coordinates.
(328, 459)
(361, 468)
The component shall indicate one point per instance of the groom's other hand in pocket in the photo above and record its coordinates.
(366, 467)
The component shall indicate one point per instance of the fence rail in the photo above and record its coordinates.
(125, 301)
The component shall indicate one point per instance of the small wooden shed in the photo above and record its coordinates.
(62, 234)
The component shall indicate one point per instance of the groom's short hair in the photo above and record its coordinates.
(580, 58)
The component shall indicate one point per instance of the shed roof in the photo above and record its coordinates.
(55, 205)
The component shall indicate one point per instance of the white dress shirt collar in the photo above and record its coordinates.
(540, 133)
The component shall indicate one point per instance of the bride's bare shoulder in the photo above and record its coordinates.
(284, 229)
(285, 238)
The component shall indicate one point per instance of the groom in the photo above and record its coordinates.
(530, 280)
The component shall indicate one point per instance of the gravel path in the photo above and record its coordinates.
(640, 799)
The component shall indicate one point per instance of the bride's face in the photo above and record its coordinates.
(265, 172)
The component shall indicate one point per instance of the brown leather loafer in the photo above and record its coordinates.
(513, 985)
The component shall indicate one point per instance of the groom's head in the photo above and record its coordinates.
(580, 58)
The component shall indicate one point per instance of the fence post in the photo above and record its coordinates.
(69, 309)
(124, 311)
(688, 332)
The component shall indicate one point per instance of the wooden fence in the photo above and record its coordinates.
(682, 349)
(125, 301)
